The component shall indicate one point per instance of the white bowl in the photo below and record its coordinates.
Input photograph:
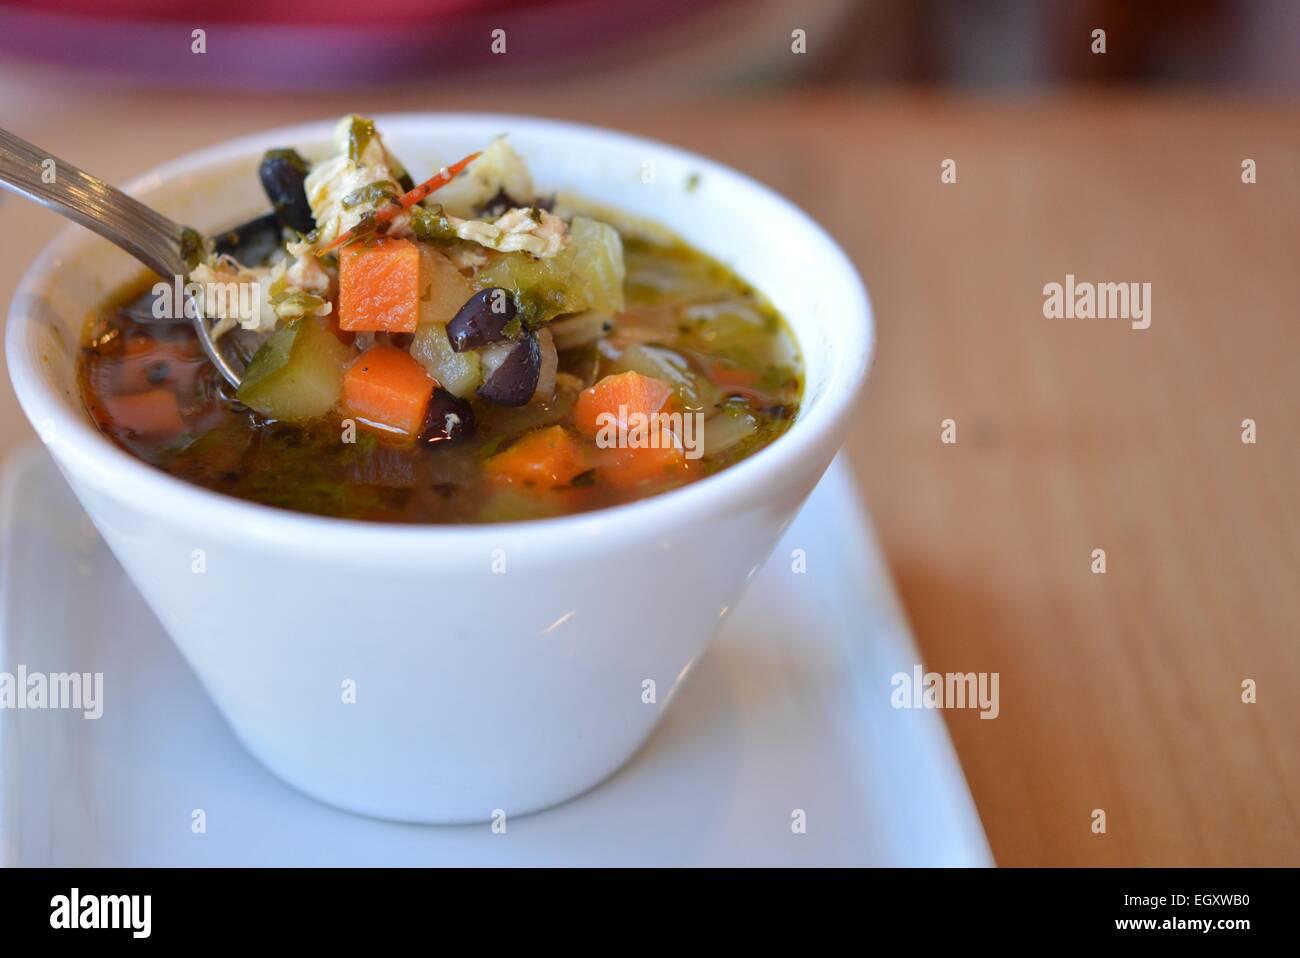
(477, 691)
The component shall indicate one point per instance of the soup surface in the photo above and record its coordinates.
(495, 355)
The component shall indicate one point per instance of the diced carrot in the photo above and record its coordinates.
(152, 413)
(543, 458)
(733, 375)
(628, 468)
(379, 286)
(385, 388)
(620, 396)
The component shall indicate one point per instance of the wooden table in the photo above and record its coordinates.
(1120, 691)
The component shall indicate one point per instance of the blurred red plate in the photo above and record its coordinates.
(325, 43)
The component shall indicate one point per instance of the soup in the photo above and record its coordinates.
(466, 351)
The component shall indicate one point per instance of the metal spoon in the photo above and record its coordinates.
(167, 248)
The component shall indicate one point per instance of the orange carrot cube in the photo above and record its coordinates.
(379, 286)
(385, 388)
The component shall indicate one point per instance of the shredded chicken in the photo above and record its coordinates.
(308, 275)
(467, 257)
(522, 229)
(339, 179)
(233, 295)
(257, 298)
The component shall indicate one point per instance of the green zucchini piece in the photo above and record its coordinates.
(458, 373)
(297, 375)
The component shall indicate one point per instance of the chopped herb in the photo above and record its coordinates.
(360, 133)
(191, 247)
(297, 304)
(373, 194)
(430, 224)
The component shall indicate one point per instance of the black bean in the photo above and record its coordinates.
(482, 320)
(503, 201)
(282, 173)
(515, 380)
(251, 243)
(497, 205)
(446, 419)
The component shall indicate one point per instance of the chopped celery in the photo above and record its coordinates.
(458, 373)
(543, 288)
(595, 252)
(587, 274)
(297, 375)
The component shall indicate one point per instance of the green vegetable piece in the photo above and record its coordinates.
(297, 375)
(595, 256)
(430, 224)
(458, 373)
(588, 274)
(192, 249)
(372, 194)
(360, 133)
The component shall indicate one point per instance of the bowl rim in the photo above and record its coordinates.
(77, 439)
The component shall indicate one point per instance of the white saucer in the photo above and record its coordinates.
(789, 710)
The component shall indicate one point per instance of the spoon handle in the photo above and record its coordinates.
(166, 247)
(147, 235)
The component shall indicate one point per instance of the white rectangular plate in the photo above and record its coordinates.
(788, 711)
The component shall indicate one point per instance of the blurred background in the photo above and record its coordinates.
(663, 48)
(1119, 691)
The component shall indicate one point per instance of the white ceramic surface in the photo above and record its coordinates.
(789, 709)
(476, 691)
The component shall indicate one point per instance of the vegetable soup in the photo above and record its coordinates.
(463, 350)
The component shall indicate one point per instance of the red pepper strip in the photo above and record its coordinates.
(407, 199)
